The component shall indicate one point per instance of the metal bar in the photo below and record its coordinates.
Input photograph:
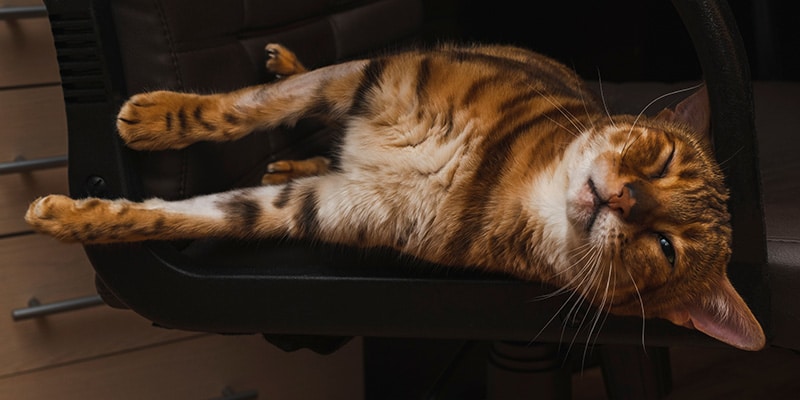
(37, 310)
(22, 12)
(32, 165)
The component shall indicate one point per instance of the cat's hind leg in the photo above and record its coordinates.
(95, 220)
(319, 207)
(235, 214)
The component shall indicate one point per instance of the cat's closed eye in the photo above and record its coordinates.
(666, 164)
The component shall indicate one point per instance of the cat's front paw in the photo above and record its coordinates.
(163, 120)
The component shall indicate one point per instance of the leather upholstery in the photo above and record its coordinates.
(777, 120)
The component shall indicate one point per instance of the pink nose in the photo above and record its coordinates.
(622, 202)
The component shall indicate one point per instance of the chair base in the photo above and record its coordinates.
(480, 370)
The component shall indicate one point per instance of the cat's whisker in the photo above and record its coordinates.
(589, 251)
(722, 164)
(586, 271)
(599, 312)
(568, 115)
(644, 109)
(573, 132)
(603, 99)
(641, 303)
(627, 146)
(586, 249)
(594, 276)
(674, 92)
(586, 110)
(611, 301)
(555, 315)
(574, 291)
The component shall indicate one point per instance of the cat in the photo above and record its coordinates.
(464, 155)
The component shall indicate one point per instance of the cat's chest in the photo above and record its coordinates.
(424, 152)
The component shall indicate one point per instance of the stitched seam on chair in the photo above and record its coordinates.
(783, 240)
(174, 57)
(170, 43)
(336, 36)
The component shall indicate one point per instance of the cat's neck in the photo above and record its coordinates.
(534, 212)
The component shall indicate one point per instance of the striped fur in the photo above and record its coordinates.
(486, 156)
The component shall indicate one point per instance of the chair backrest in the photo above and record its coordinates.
(720, 50)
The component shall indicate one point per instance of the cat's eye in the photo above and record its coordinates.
(666, 248)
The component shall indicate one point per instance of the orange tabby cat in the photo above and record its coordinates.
(488, 156)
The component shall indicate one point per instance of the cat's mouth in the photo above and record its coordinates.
(596, 203)
(585, 207)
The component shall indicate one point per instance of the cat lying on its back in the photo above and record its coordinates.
(487, 156)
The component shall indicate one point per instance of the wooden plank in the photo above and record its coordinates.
(21, 3)
(34, 126)
(37, 266)
(18, 190)
(34, 123)
(29, 56)
(199, 369)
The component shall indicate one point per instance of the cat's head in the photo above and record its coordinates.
(647, 212)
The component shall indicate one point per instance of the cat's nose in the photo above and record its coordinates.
(623, 201)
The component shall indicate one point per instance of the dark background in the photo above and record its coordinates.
(625, 40)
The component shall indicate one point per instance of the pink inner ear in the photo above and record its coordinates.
(734, 330)
(723, 315)
(694, 112)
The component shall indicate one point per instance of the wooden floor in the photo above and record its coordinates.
(717, 373)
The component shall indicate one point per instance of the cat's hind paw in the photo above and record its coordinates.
(165, 120)
(57, 216)
(280, 172)
(89, 220)
(282, 61)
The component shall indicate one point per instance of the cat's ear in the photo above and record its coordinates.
(724, 316)
(694, 112)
